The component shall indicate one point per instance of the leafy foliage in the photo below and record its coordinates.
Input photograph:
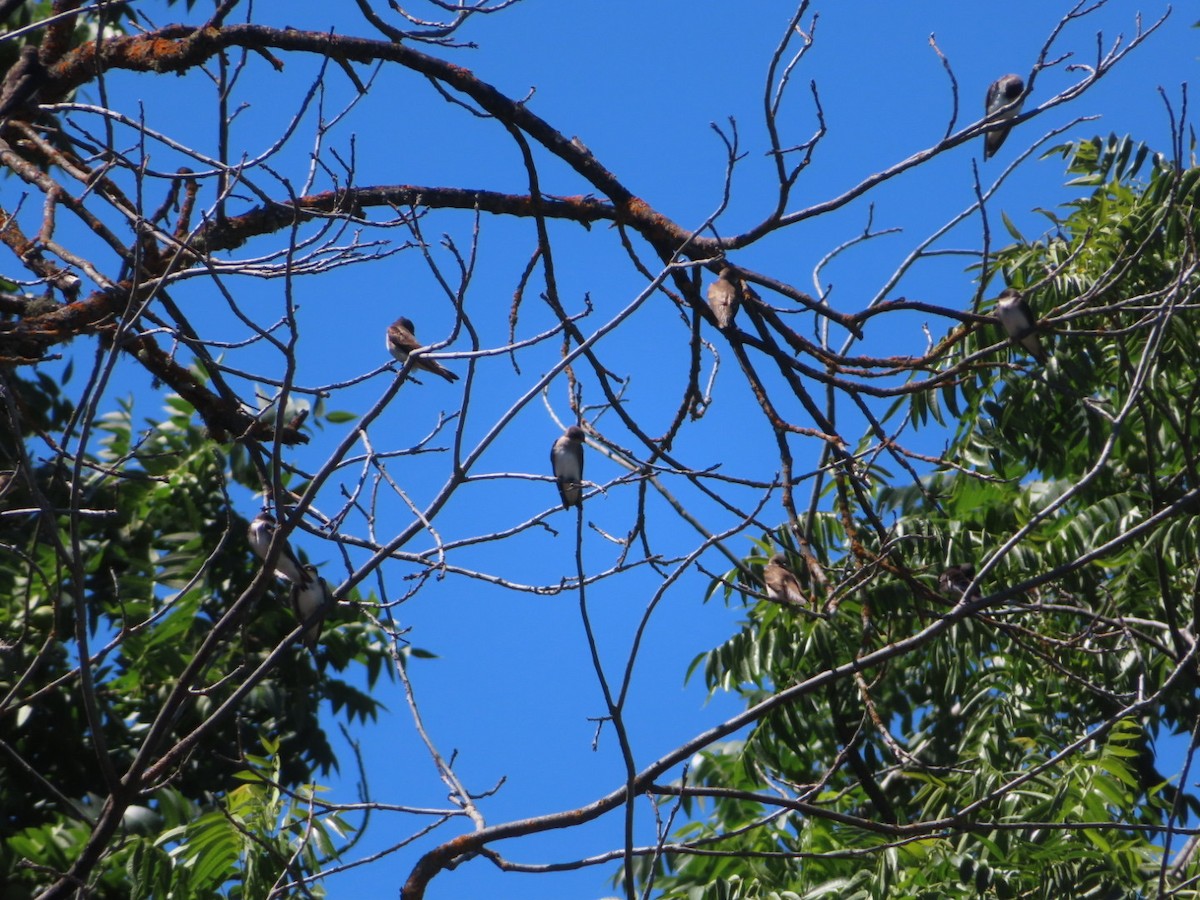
(162, 557)
(1003, 747)
(913, 731)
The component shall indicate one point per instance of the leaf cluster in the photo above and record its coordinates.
(145, 557)
(1003, 743)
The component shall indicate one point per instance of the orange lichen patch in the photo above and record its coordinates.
(326, 201)
(641, 211)
(172, 48)
(156, 54)
(458, 71)
(637, 206)
(164, 54)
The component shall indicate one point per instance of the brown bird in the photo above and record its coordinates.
(957, 579)
(724, 297)
(1001, 95)
(782, 585)
(402, 340)
(566, 460)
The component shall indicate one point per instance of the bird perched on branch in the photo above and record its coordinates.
(402, 340)
(309, 601)
(566, 460)
(1002, 94)
(287, 566)
(783, 587)
(724, 297)
(957, 579)
(1019, 323)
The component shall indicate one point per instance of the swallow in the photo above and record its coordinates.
(957, 579)
(1019, 323)
(724, 297)
(782, 585)
(287, 567)
(309, 602)
(566, 460)
(402, 340)
(1002, 94)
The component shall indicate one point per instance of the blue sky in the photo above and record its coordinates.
(512, 690)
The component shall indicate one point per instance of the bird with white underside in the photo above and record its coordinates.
(1019, 323)
(402, 341)
(287, 566)
(566, 461)
(1003, 97)
(308, 602)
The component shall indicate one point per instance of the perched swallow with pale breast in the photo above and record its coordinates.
(287, 567)
(1002, 94)
(566, 460)
(783, 586)
(309, 601)
(402, 340)
(1020, 323)
(724, 297)
(957, 579)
